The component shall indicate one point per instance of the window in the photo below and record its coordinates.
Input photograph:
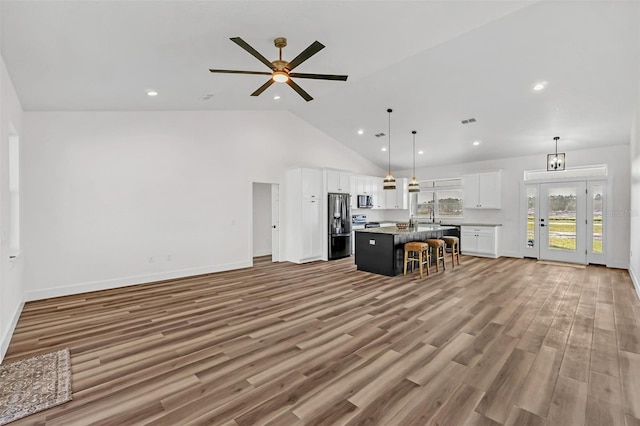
(440, 199)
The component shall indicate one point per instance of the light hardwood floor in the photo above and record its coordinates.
(493, 341)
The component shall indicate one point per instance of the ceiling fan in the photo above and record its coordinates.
(281, 70)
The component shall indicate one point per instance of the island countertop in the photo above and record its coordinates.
(381, 250)
(393, 230)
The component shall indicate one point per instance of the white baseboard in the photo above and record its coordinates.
(634, 279)
(264, 252)
(6, 339)
(511, 254)
(128, 281)
(617, 265)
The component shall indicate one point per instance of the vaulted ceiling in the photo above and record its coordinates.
(435, 63)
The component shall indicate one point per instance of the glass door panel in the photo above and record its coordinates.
(562, 222)
(532, 193)
(596, 222)
(529, 238)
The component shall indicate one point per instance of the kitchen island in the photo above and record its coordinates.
(381, 250)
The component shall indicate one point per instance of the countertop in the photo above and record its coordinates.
(474, 224)
(462, 224)
(393, 230)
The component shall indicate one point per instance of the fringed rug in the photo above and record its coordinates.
(34, 384)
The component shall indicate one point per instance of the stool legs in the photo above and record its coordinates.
(455, 254)
(440, 257)
(415, 254)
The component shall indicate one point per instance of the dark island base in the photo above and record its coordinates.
(383, 253)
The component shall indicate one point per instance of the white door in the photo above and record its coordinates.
(561, 222)
(275, 222)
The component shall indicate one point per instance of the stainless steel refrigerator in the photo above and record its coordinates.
(339, 226)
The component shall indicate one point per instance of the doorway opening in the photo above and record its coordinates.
(266, 220)
(564, 221)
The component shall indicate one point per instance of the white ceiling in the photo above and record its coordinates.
(434, 62)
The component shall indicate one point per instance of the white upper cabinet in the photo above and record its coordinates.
(311, 181)
(338, 181)
(397, 198)
(482, 190)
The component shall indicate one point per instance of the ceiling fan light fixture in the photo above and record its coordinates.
(280, 76)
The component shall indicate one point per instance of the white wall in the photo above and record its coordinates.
(11, 286)
(634, 212)
(512, 175)
(116, 198)
(261, 219)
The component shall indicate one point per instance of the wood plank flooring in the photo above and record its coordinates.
(493, 341)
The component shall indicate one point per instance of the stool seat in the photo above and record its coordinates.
(437, 246)
(416, 245)
(454, 244)
(416, 251)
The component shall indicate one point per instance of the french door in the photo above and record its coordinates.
(564, 221)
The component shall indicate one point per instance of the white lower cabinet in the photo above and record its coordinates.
(479, 240)
(311, 230)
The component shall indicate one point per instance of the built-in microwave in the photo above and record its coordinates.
(365, 201)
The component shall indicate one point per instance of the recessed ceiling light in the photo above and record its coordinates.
(276, 97)
(539, 86)
(152, 93)
(384, 148)
(361, 132)
(476, 143)
(420, 152)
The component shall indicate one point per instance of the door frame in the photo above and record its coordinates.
(591, 258)
(276, 214)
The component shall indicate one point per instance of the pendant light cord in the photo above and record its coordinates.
(389, 111)
(414, 153)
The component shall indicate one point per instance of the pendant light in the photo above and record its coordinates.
(389, 181)
(414, 186)
(555, 161)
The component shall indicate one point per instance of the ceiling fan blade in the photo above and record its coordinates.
(240, 42)
(241, 72)
(319, 76)
(263, 87)
(314, 48)
(307, 97)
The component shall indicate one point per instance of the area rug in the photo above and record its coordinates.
(34, 384)
(572, 265)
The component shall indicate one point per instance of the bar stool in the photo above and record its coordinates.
(419, 249)
(454, 244)
(438, 251)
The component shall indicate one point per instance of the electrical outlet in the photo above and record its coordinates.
(151, 260)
